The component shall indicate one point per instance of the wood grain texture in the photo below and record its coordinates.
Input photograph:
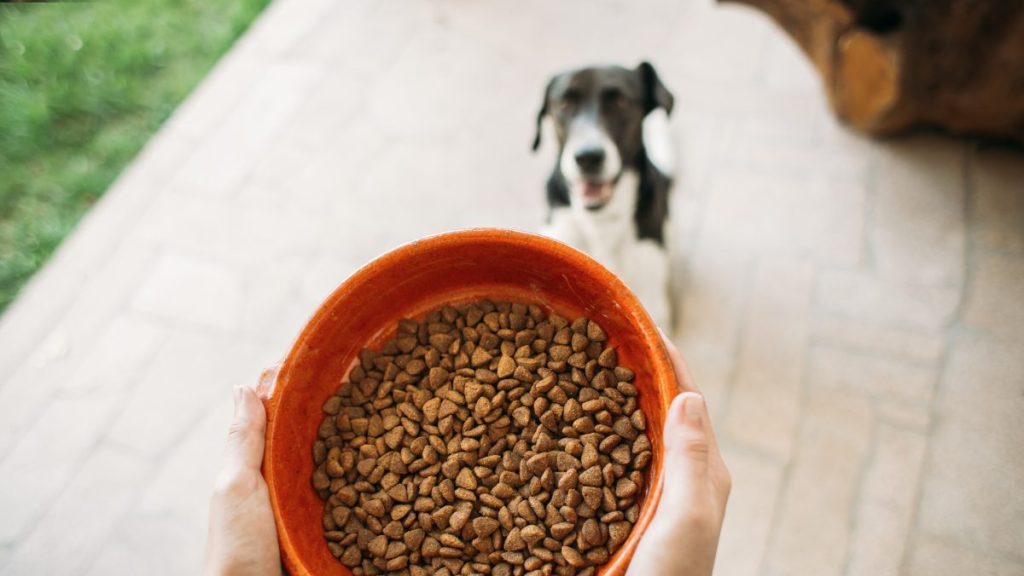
(891, 65)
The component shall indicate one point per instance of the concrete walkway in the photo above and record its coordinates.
(853, 309)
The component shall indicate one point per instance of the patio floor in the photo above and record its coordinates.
(853, 309)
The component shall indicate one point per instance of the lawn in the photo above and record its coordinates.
(82, 87)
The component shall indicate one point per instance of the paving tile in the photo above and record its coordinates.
(68, 341)
(740, 35)
(936, 557)
(786, 215)
(268, 287)
(993, 298)
(597, 36)
(282, 25)
(168, 521)
(700, 148)
(889, 302)
(138, 542)
(59, 426)
(764, 408)
(871, 376)
(813, 530)
(66, 540)
(22, 398)
(118, 358)
(319, 186)
(452, 189)
(182, 484)
(188, 373)
(811, 160)
(225, 157)
(766, 117)
(971, 491)
(327, 122)
(48, 456)
(263, 228)
(886, 504)
(785, 66)
(906, 414)
(756, 483)
(710, 320)
(919, 346)
(217, 96)
(362, 39)
(996, 200)
(918, 233)
(192, 291)
(443, 68)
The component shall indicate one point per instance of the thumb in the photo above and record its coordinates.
(245, 435)
(687, 446)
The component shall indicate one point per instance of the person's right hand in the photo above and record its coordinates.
(682, 538)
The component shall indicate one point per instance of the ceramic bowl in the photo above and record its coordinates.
(406, 283)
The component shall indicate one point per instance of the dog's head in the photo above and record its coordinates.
(598, 114)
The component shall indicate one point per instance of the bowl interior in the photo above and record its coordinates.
(407, 283)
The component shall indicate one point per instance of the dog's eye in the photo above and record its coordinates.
(568, 100)
(614, 98)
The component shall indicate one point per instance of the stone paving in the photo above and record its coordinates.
(853, 309)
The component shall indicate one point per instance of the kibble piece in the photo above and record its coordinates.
(617, 533)
(561, 530)
(488, 438)
(459, 519)
(466, 479)
(638, 420)
(480, 358)
(378, 546)
(484, 526)
(573, 557)
(506, 366)
(514, 541)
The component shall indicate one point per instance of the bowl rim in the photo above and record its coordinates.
(269, 391)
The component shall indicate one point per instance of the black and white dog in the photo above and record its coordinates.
(608, 194)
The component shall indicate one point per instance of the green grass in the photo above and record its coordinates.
(82, 87)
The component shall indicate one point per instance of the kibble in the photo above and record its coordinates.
(489, 438)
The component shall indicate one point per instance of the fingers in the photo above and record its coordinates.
(688, 445)
(683, 378)
(245, 436)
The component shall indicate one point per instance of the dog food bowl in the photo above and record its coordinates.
(406, 283)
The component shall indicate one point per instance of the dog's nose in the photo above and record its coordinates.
(590, 159)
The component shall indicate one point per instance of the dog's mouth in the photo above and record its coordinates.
(595, 194)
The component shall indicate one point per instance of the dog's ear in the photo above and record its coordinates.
(542, 113)
(655, 93)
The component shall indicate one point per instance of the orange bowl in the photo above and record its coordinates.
(407, 283)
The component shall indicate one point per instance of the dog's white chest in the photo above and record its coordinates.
(609, 235)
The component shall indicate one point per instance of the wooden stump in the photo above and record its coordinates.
(888, 65)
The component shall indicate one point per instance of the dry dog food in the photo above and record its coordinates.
(487, 439)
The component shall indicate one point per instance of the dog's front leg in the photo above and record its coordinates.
(645, 268)
(562, 227)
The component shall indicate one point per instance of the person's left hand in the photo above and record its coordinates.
(242, 537)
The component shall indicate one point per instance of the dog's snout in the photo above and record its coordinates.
(590, 158)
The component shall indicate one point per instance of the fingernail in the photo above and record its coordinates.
(694, 408)
(236, 393)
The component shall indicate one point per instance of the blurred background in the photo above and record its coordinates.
(187, 181)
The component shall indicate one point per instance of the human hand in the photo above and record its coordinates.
(242, 538)
(682, 538)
